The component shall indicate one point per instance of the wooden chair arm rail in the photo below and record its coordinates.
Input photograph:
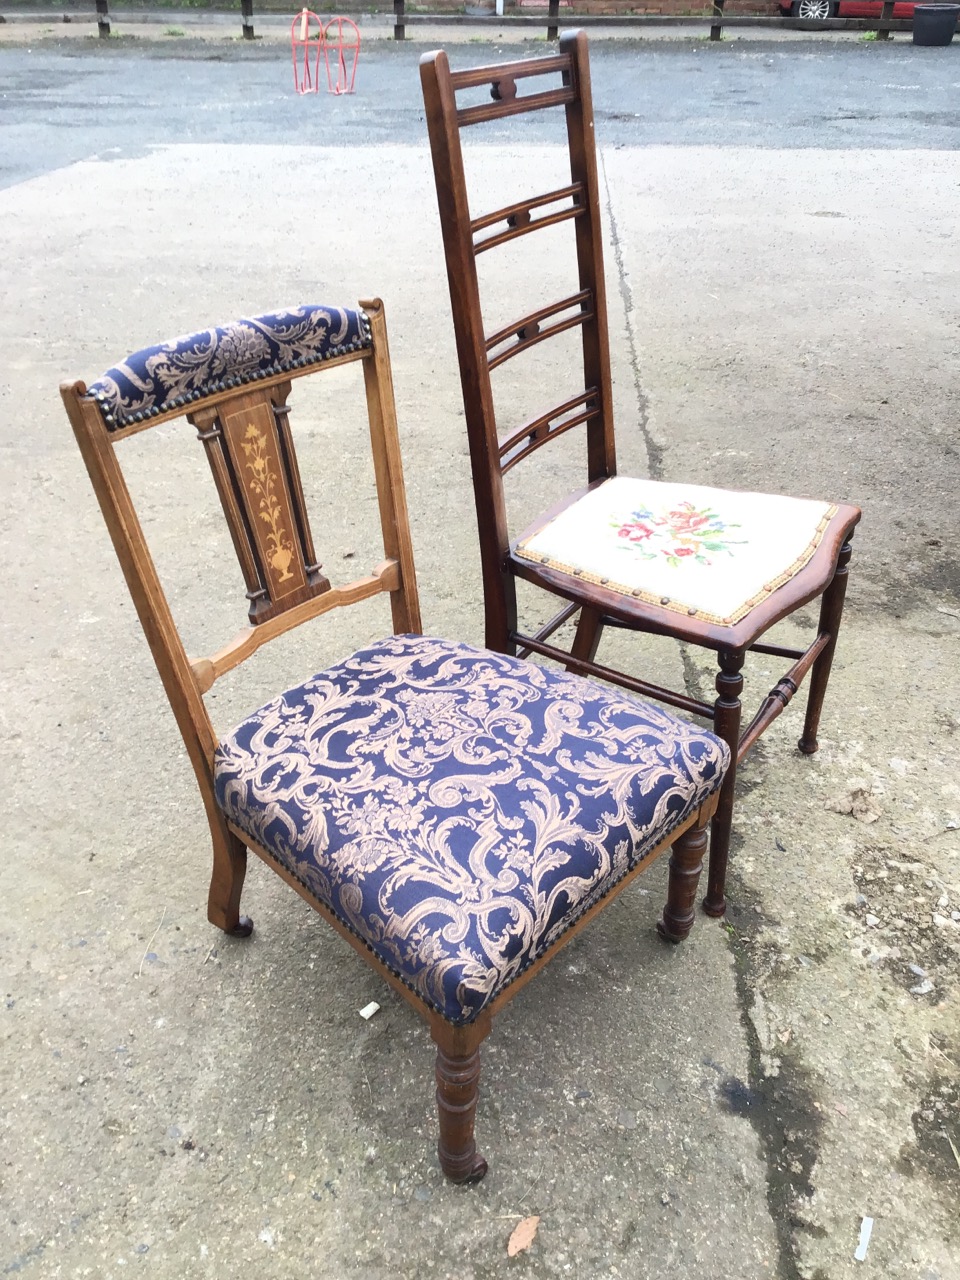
(385, 577)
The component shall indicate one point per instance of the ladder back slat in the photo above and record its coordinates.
(537, 441)
(542, 313)
(515, 106)
(525, 206)
(537, 224)
(533, 425)
(473, 76)
(551, 331)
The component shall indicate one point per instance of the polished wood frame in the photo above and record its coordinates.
(493, 454)
(274, 612)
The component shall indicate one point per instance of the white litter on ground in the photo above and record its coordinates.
(866, 1226)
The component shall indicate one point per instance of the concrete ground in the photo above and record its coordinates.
(783, 316)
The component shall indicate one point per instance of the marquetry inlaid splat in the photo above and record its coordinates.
(251, 453)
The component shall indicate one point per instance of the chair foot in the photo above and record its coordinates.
(226, 883)
(667, 936)
(715, 908)
(686, 863)
(462, 1175)
(809, 746)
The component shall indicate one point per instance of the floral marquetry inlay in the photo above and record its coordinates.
(263, 484)
(253, 443)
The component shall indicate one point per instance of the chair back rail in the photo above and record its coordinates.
(518, 218)
(465, 236)
(249, 444)
(537, 431)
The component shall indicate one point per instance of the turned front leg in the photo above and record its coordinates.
(686, 863)
(458, 1076)
(726, 725)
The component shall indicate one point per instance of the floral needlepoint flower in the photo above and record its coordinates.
(676, 535)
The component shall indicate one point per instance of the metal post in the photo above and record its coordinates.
(103, 20)
(553, 19)
(716, 28)
(246, 17)
(399, 26)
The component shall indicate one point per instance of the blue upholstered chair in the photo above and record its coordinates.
(455, 814)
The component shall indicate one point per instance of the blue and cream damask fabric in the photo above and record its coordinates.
(457, 809)
(176, 373)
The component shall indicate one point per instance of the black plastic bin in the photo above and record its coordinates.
(935, 23)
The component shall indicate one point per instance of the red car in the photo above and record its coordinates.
(820, 10)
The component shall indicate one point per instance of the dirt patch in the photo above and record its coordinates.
(936, 1123)
(911, 917)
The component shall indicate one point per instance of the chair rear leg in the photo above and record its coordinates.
(458, 1075)
(726, 725)
(587, 638)
(686, 863)
(500, 610)
(226, 883)
(831, 611)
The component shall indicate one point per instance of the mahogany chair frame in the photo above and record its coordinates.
(272, 614)
(464, 238)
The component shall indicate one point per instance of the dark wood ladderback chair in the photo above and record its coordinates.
(708, 566)
(456, 815)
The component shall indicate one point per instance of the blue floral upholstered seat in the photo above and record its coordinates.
(459, 810)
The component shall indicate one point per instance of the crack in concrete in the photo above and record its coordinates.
(782, 1107)
(654, 450)
(693, 677)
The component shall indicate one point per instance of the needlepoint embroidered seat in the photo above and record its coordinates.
(709, 553)
(456, 809)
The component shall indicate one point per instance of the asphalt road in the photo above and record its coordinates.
(59, 107)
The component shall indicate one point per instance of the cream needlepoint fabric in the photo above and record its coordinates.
(710, 553)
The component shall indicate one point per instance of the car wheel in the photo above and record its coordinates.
(818, 10)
